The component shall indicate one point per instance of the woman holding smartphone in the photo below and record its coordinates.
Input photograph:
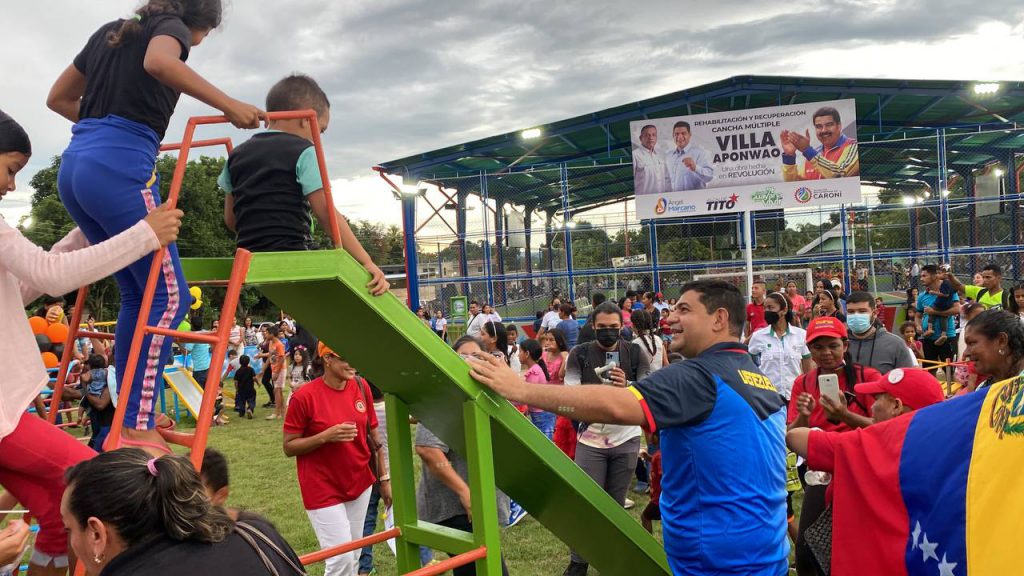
(824, 398)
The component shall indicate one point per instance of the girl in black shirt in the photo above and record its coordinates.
(120, 92)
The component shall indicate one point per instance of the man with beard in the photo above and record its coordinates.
(722, 425)
(835, 158)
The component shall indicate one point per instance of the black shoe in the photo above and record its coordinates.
(576, 569)
(270, 405)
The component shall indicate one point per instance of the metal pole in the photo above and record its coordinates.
(652, 233)
(943, 223)
(871, 255)
(487, 238)
(748, 250)
(412, 271)
(566, 218)
(460, 226)
(846, 248)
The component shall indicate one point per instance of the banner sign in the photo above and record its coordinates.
(743, 160)
(626, 261)
(458, 310)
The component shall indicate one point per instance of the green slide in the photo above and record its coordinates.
(325, 291)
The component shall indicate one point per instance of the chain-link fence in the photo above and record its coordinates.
(517, 238)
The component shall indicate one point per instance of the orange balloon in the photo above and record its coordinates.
(39, 325)
(50, 360)
(57, 333)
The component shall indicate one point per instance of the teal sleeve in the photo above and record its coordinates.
(307, 172)
(224, 180)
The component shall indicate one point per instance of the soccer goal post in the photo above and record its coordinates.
(768, 276)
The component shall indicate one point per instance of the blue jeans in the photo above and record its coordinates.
(107, 184)
(545, 421)
(369, 527)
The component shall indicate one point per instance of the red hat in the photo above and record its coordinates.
(825, 326)
(917, 388)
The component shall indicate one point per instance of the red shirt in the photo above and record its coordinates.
(666, 329)
(864, 543)
(809, 383)
(337, 471)
(755, 316)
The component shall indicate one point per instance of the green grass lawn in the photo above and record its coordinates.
(263, 480)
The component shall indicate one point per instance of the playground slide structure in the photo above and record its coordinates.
(325, 291)
(186, 387)
(421, 376)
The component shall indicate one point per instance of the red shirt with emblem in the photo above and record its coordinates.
(755, 315)
(335, 472)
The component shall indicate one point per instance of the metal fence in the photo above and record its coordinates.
(518, 237)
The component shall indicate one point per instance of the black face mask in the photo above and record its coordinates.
(607, 337)
(771, 317)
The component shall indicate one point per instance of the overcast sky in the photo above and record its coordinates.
(407, 77)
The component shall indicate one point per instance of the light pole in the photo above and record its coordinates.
(871, 252)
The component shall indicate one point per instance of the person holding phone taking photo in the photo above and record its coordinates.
(606, 452)
(824, 398)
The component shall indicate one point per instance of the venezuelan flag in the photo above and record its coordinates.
(959, 475)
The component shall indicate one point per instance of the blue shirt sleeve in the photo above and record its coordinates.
(307, 172)
(681, 394)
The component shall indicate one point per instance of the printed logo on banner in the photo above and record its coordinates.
(727, 203)
(803, 195)
(673, 206)
(827, 194)
(766, 197)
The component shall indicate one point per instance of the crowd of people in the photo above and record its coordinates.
(678, 394)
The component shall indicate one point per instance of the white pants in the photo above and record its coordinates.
(338, 524)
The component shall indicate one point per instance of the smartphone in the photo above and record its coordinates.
(610, 357)
(829, 386)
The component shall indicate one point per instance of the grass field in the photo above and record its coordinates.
(263, 480)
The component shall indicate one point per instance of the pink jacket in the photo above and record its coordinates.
(26, 272)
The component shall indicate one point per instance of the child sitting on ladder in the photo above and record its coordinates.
(273, 180)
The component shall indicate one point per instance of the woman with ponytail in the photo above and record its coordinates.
(129, 513)
(531, 356)
(120, 91)
(33, 453)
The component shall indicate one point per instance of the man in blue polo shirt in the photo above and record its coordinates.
(722, 425)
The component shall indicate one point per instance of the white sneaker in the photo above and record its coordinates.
(629, 504)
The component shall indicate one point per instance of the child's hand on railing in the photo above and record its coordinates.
(165, 222)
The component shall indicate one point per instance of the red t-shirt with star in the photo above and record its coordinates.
(335, 472)
(872, 456)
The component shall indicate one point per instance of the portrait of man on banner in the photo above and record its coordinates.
(835, 157)
(650, 174)
(689, 165)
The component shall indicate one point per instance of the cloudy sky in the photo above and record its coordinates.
(407, 77)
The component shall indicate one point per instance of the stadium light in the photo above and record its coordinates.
(999, 172)
(945, 193)
(908, 200)
(986, 88)
(531, 133)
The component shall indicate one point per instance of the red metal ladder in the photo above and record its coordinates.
(240, 267)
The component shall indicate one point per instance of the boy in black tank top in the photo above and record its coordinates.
(272, 182)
